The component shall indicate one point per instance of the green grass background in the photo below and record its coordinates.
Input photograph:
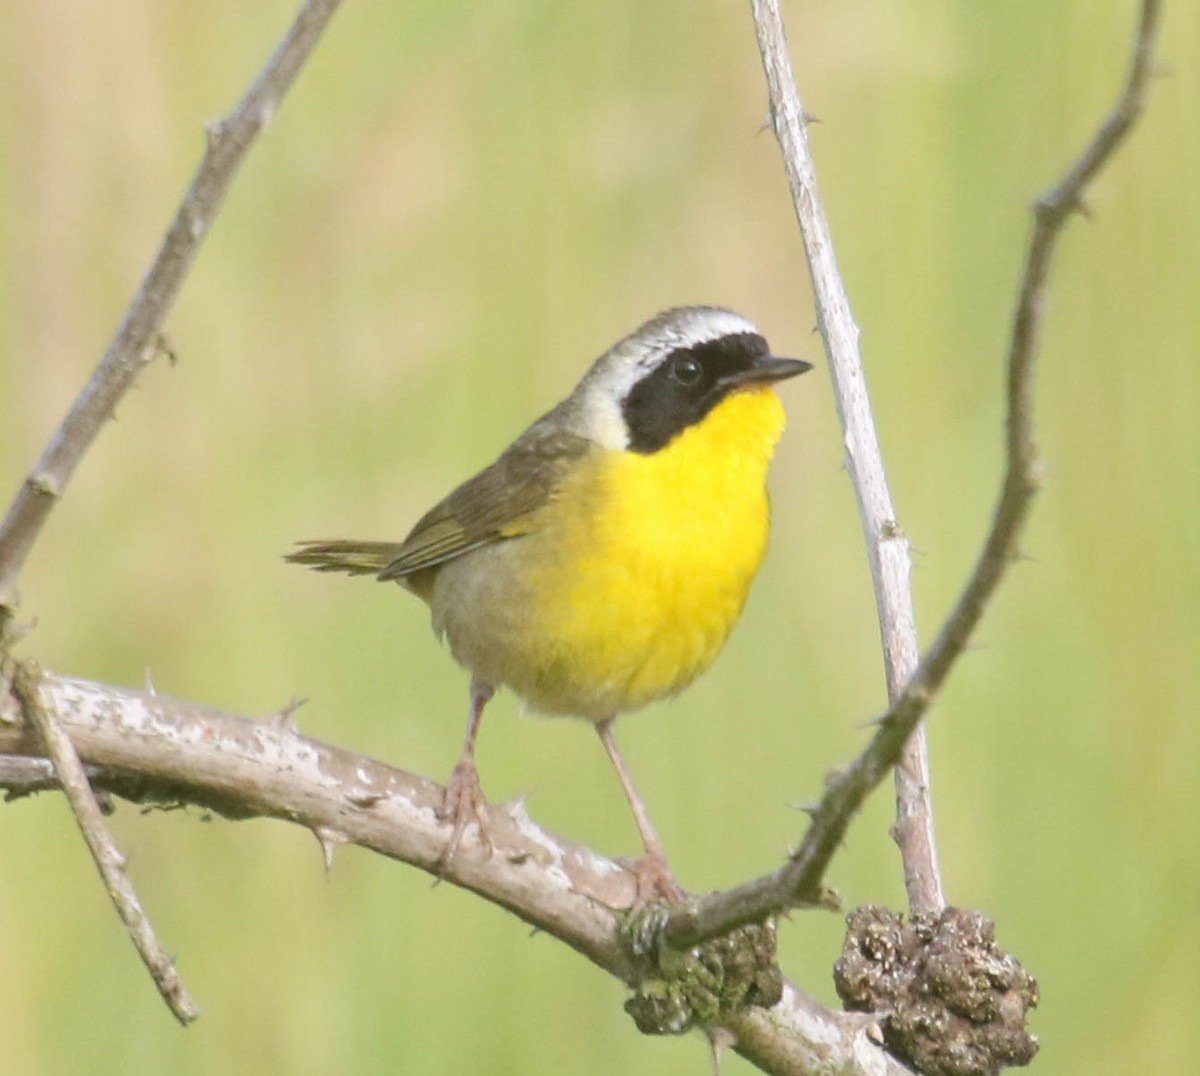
(459, 207)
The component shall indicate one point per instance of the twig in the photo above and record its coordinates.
(799, 880)
(159, 750)
(25, 776)
(109, 861)
(138, 339)
(887, 546)
(1022, 474)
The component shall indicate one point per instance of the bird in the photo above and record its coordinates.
(601, 562)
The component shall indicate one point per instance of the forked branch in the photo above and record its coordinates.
(800, 879)
(156, 750)
(137, 342)
(109, 861)
(145, 747)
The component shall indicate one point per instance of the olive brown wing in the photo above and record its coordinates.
(499, 502)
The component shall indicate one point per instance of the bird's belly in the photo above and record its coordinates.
(628, 590)
(628, 632)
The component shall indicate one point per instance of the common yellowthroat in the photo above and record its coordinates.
(601, 562)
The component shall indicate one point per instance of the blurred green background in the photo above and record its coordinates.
(459, 206)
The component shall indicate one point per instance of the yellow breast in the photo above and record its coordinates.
(657, 555)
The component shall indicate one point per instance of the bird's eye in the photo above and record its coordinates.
(686, 369)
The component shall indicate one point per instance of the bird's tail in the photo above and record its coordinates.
(356, 558)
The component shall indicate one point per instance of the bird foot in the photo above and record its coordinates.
(655, 882)
(464, 803)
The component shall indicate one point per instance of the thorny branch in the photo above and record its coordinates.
(800, 879)
(156, 750)
(887, 546)
(109, 861)
(137, 341)
(150, 748)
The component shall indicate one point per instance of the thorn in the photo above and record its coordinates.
(720, 1039)
(214, 133)
(150, 688)
(104, 801)
(44, 485)
(518, 808)
(15, 632)
(809, 809)
(829, 899)
(766, 124)
(328, 839)
(808, 118)
(833, 778)
(363, 798)
(285, 720)
(162, 346)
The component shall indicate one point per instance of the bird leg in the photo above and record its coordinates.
(654, 878)
(464, 800)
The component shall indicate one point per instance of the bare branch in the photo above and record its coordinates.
(154, 749)
(158, 750)
(1022, 475)
(799, 1037)
(138, 339)
(799, 880)
(109, 861)
(887, 546)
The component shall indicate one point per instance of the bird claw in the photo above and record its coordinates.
(655, 882)
(463, 803)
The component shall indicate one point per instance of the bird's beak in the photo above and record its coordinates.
(766, 370)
